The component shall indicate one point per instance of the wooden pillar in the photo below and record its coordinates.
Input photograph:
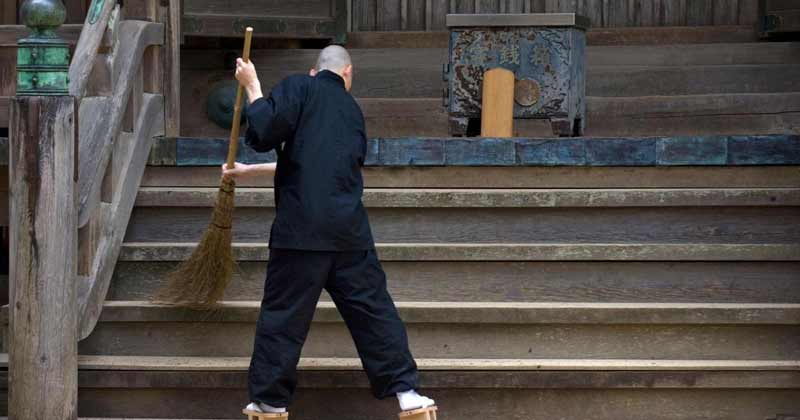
(43, 353)
(497, 110)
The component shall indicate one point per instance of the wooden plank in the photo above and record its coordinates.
(365, 15)
(416, 15)
(76, 10)
(149, 124)
(592, 9)
(8, 13)
(416, 73)
(507, 313)
(86, 51)
(388, 15)
(699, 12)
(217, 338)
(324, 396)
(141, 363)
(43, 318)
(489, 225)
(438, 13)
(101, 120)
(464, 6)
(170, 16)
(8, 74)
(726, 12)
(487, 6)
(309, 8)
(597, 36)
(671, 12)
(178, 251)
(523, 177)
(615, 13)
(748, 12)
(10, 34)
(526, 281)
(492, 198)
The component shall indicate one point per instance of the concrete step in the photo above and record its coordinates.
(164, 387)
(527, 281)
(485, 330)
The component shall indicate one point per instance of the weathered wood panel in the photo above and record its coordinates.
(43, 319)
(8, 12)
(527, 281)
(506, 225)
(307, 8)
(416, 73)
(460, 340)
(409, 14)
(520, 177)
(342, 402)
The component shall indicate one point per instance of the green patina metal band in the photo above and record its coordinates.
(94, 11)
(43, 58)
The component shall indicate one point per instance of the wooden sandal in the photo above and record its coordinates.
(427, 413)
(254, 415)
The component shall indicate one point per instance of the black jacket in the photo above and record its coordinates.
(317, 130)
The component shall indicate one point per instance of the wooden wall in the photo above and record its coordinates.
(417, 15)
(76, 11)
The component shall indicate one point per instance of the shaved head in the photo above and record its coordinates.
(333, 58)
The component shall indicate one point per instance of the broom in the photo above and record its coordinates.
(200, 281)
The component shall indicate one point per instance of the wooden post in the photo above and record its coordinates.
(43, 355)
(43, 310)
(497, 111)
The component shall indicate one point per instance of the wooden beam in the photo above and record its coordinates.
(170, 17)
(10, 34)
(43, 320)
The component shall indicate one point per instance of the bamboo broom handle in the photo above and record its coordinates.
(233, 146)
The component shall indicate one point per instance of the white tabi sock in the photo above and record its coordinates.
(264, 408)
(410, 400)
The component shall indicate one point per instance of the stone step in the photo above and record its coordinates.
(746, 150)
(161, 387)
(527, 281)
(414, 252)
(474, 330)
(520, 225)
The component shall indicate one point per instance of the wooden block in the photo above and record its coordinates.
(497, 111)
(252, 415)
(428, 413)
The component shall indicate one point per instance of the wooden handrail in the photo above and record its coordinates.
(116, 132)
(83, 59)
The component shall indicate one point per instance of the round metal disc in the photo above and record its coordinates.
(526, 92)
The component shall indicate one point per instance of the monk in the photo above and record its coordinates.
(321, 236)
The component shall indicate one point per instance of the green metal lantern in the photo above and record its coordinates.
(42, 57)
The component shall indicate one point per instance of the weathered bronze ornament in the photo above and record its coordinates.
(220, 103)
(526, 92)
(42, 57)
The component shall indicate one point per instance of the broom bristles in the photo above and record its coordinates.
(200, 281)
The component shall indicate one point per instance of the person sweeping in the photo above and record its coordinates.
(321, 236)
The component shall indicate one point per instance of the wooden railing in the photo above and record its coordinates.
(122, 108)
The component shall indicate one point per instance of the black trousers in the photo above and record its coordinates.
(357, 284)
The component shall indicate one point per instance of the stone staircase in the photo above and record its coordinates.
(622, 277)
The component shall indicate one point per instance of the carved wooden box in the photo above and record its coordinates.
(546, 52)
